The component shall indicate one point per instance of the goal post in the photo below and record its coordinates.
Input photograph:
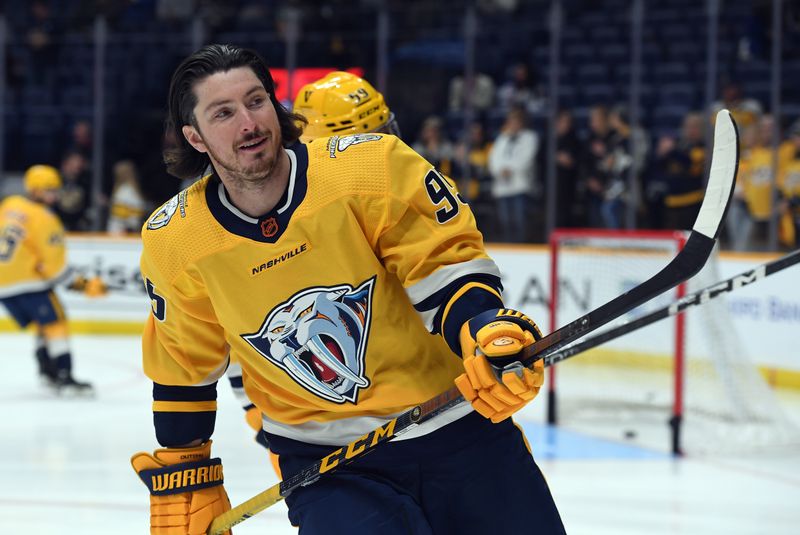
(682, 383)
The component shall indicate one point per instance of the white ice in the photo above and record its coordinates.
(64, 463)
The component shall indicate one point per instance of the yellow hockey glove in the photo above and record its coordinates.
(186, 491)
(94, 287)
(495, 382)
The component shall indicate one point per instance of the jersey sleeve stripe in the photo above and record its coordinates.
(184, 406)
(464, 289)
(443, 276)
(432, 308)
(182, 414)
(467, 303)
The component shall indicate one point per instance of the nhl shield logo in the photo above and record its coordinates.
(269, 227)
(319, 338)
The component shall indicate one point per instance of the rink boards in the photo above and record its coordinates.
(766, 315)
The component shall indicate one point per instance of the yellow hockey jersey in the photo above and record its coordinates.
(32, 252)
(327, 302)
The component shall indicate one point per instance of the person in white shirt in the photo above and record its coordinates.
(128, 205)
(511, 164)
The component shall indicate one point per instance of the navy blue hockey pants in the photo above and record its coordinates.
(469, 477)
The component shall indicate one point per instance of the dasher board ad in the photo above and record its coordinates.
(770, 307)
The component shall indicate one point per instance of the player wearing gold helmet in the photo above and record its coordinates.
(342, 103)
(32, 262)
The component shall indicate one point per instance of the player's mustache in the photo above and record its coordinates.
(249, 137)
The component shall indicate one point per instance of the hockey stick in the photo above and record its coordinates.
(688, 262)
(699, 297)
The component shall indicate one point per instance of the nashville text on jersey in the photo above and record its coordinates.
(288, 255)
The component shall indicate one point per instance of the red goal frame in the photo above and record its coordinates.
(679, 239)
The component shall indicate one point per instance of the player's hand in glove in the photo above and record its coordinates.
(186, 491)
(496, 382)
(94, 287)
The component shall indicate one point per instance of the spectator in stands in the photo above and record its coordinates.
(789, 180)
(569, 211)
(73, 202)
(471, 173)
(679, 169)
(82, 139)
(745, 111)
(511, 164)
(629, 146)
(597, 164)
(470, 168)
(482, 93)
(522, 89)
(757, 174)
(128, 206)
(737, 220)
(434, 146)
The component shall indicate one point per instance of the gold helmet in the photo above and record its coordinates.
(343, 103)
(41, 177)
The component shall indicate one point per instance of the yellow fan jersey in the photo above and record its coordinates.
(757, 179)
(329, 302)
(789, 178)
(32, 252)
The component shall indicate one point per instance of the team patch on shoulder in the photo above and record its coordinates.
(163, 215)
(340, 143)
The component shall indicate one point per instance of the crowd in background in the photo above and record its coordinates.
(496, 153)
(503, 176)
(502, 173)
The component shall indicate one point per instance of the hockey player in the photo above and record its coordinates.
(32, 262)
(348, 280)
(342, 103)
(338, 103)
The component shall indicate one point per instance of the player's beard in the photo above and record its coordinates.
(246, 176)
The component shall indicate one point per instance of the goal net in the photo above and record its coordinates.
(685, 382)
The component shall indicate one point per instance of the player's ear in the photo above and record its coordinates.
(194, 138)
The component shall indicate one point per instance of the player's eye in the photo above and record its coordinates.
(222, 114)
(257, 102)
(278, 330)
(305, 312)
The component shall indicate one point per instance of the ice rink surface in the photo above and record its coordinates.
(64, 463)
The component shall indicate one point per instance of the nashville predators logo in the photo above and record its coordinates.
(269, 227)
(319, 338)
(163, 215)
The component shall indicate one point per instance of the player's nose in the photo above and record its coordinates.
(248, 123)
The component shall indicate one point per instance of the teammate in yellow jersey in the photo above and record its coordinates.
(341, 103)
(338, 103)
(32, 262)
(348, 280)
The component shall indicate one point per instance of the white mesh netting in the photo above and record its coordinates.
(624, 389)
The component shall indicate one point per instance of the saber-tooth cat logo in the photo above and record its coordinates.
(319, 337)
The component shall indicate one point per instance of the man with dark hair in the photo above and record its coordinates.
(346, 277)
